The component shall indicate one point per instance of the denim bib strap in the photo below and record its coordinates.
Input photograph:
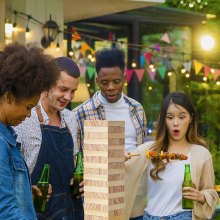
(56, 150)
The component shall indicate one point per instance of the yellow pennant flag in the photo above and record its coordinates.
(198, 66)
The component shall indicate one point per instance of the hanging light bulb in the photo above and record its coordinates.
(133, 64)
(169, 73)
(187, 75)
(57, 46)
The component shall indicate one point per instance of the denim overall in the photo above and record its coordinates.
(57, 150)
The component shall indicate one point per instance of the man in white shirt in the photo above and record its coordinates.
(49, 137)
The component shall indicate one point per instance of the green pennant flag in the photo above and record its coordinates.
(162, 71)
(90, 71)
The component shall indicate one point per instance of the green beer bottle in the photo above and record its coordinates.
(43, 185)
(78, 175)
(187, 182)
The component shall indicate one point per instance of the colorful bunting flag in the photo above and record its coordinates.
(198, 66)
(129, 73)
(139, 73)
(179, 42)
(142, 60)
(187, 65)
(82, 70)
(207, 70)
(165, 38)
(151, 73)
(91, 72)
(216, 74)
(148, 56)
(157, 47)
(162, 71)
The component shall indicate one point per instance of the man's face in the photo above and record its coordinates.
(110, 81)
(63, 92)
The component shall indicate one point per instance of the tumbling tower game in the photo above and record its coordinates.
(104, 170)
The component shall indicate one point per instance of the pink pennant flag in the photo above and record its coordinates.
(129, 73)
(148, 56)
(140, 74)
(82, 70)
(216, 74)
(165, 38)
(151, 73)
(207, 70)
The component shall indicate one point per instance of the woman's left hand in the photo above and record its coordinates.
(193, 194)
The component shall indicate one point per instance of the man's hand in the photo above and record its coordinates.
(37, 193)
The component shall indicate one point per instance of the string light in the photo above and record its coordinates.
(169, 73)
(204, 78)
(133, 64)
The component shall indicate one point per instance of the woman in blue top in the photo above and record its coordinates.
(24, 74)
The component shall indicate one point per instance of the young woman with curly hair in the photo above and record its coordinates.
(24, 74)
(157, 183)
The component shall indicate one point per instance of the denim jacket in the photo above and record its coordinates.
(15, 189)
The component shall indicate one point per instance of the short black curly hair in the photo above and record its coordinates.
(112, 57)
(26, 71)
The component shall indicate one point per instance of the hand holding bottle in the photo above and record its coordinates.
(193, 194)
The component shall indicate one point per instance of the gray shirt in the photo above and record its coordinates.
(30, 137)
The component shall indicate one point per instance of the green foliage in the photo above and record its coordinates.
(206, 98)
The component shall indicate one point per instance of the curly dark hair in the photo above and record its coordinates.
(113, 57)
(26, 71)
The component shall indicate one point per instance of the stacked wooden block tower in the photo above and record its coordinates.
(104, 170)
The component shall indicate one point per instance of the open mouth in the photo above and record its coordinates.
(111, 97)
(176, 132)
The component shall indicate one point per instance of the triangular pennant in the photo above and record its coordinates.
(185, 36)
(198, 66)
(179, 42)
(157, 47)
(142, 60)
(165, 38)
(216, 74)
(151, 73)
(207, 70)
(90, 71)
(129, 73)
(84, 47)
(162, 71)
(82, 70)
(187, 65)
(75, 35)
(77, 54)
(148, 56)
(140, 74)
(77, 44)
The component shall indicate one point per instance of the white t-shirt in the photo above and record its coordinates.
(164, 197)
(119, 111)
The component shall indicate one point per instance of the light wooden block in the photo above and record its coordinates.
(104, 170)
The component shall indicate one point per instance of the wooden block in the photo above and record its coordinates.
(104, 170)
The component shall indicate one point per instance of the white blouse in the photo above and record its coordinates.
(164, 197)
